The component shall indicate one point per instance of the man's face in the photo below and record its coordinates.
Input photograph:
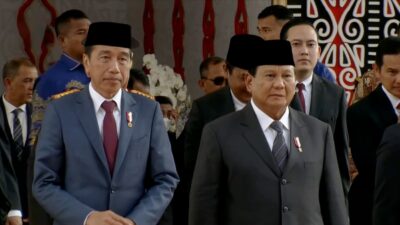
(389, 74)
(72, 36)
(19, 89)
(269, 28)
(305, 48)
(108, 67)
(272, 88)
(237, 83)
(214, 78)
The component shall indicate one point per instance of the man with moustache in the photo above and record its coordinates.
(267, 163)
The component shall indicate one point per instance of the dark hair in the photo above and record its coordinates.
(295, 22)
(10, 68)
(213, 60)
(278, 11)
(139, 76)
(163, 100)
(67, 16)
(388, 46)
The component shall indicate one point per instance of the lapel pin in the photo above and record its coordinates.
(298, 144)
(129, 118)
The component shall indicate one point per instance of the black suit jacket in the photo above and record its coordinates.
(9, 196)
(204, 110)
(20, 165)
(366, 120)
(387, 182)
(328, 104)
(237, 181)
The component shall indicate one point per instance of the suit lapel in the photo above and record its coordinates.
(385, 114)
(128, 104)
(29, 121)
(296, 131)
(3, 120)
(253, 134)
(316, 95)
(87, 116)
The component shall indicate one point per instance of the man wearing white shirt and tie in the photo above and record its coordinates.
(19, 76)
(319, 97)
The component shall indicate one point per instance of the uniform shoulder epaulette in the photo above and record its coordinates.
(142, 94)
(62, 94)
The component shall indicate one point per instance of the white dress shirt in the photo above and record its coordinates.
(395, 101)
(307, 92)
(22, 116)
(239, 105)
(265, 122)
(100, 112)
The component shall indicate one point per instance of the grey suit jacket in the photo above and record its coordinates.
(236, 180)
(71, 175)
(328, 104)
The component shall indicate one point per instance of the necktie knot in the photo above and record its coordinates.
(300, 86)
(277, 126)
(108, 106)
(16, 112)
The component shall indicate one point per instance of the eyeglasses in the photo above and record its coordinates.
(217, 80)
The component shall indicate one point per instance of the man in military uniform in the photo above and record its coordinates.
(65, 75)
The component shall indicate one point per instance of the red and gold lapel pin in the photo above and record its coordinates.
(129, 119)
(298, 144)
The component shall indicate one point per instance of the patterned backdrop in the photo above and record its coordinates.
(349, 32)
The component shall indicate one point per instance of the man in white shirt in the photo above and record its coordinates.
(317, 96)
(267, 163)
(19, 76)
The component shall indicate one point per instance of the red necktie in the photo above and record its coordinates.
(300, 88)
(110, 136)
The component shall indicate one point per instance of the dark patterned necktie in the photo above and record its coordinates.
(300, 93)
(110, 135)
(279, 148)
(17, 133)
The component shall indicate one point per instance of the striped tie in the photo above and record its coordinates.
(17, 134)
(279, 148)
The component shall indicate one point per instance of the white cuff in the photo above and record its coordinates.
(14, 212)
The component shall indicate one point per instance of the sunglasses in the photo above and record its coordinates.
(217, 81)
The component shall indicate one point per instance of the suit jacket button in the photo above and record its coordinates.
(112, 191)
(283, 181)
(285, 209)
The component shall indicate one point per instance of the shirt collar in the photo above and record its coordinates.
(10, 107)
(98, 99)
(307, 82)
(393, 99)
(265, 120)
(71, 63)
(238, 104)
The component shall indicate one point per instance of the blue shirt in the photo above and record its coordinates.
(322, 71)
(66, 74)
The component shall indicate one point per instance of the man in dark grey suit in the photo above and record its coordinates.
(317, 96)
(224, 101)
(367, 121)
(267, 164)
(387, 182)
(9, 193)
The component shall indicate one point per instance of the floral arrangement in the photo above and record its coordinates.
(165, 82)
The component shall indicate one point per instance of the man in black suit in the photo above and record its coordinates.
(387, 183)
(226, 100)
(9, 196)
(317, 96)
(267, 164)
(19, 76)
(367, 119)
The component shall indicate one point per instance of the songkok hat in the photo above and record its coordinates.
(241, 49)
(274, 52)
(111, 34)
